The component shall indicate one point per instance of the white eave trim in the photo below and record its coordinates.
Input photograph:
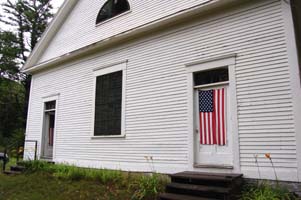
(166, 21)
(49, 33)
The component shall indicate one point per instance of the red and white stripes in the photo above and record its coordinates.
(213, 124)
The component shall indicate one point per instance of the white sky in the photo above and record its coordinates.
(55, 3)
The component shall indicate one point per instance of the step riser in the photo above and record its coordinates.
(203, 186)
(206, 194)
(170, 196)
(201, 182)
(17, 168)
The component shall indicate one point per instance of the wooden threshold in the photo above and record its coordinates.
(213, 166)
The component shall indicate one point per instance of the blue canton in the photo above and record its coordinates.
(206, 100)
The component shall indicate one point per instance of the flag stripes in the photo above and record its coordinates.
(212, 107)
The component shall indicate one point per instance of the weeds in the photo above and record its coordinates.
(141, 186)
(265, 191)
(148, 186)
(72, 172)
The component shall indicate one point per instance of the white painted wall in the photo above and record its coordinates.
(156, 121)
(80, 29)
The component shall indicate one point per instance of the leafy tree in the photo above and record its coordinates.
(11, 107)
(28, 20)
(9, 52)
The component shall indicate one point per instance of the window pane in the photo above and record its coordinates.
(50, 105)
(112, 8)
(212, 76)
(108, 104)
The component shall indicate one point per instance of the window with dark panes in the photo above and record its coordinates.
(111, 9)
(108, 104)
(211, 76)
(50, 105)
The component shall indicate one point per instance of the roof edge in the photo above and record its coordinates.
(49, 33)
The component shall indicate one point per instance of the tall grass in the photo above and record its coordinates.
(148, 186)
(265, 191)
(140, 185)
(72, 172)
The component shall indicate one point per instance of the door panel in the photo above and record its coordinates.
(48, 134)
(212, 153)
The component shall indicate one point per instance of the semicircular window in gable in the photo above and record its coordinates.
(111, 9)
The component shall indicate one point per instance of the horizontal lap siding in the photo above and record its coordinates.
(80, 25)
(156, 95)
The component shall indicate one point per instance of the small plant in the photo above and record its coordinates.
(265, 191)
(267, 155)
(148, 186)
(69, 172)
(72, 172)
(37, 166)
(150, 161)
(256, 162)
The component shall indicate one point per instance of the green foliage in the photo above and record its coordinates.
(28, 18)
(40, 185)
(148, 187)
(140, 186)
(37, 166)
(11, 110)
(9, 52)
(27, 21)
(105, 176)
(265, 191)
(74, 173)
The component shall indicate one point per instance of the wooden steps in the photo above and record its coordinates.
(170, 196)
(203, 186)
(17, 168)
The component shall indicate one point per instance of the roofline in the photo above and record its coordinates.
(49, 33)
(166, 21)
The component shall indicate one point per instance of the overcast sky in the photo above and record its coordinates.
(56, 4)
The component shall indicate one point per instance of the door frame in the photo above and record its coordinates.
(202, 65)
(54, 97)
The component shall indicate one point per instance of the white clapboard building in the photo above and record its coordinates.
(169, 86)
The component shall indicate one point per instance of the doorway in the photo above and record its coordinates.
(48, 130)
(213, 135)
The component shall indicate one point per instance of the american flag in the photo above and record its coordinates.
(212, 107)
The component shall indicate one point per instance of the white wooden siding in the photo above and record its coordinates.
(156, 95)
(80, 30)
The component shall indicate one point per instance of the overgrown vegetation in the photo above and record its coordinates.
(266, 191)
(40, 185)
(25, 21)
(148, 186)
(139, 186)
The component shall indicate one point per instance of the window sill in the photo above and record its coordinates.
(108, 136)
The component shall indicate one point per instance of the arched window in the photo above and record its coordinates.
(111, 9)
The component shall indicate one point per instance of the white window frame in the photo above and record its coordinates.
(107, 69)
(204, 65)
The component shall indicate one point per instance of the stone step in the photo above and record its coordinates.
(198, 190)
(170, 196)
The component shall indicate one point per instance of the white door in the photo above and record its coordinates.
(212, 137)
(49, 134)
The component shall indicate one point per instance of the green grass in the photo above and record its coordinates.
(47, 181)
(37, 186)
(12, 161)
(265, 191)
